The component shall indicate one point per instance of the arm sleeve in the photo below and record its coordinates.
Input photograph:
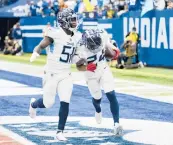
(80, 53)
(49, 33)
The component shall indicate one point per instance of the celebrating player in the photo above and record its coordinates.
(57, 75)
(95, 45)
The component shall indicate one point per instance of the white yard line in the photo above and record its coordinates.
(139, 89)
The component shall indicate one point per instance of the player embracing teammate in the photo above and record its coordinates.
(95, 46)
(88, 51)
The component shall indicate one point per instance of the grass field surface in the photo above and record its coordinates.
(152, 75)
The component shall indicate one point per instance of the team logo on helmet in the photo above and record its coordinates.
(92, 40)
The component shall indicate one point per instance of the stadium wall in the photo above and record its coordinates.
(156, 47)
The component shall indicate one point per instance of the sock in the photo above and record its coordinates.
(96, 104)
(38, 104)
(59, 131)
(63, 113)
(114, 106)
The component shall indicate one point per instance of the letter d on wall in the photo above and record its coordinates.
(145, 32)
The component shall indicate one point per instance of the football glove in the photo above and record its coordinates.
(91, 67)
(34, 56)
(117, 53)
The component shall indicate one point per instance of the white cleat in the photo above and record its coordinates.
(118, 130)
(32, 111)
(59, 136)
(141, 65)
(98, 117)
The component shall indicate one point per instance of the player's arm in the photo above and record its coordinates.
(79, 57)
(42, 45)
(81, 64)
(111, 51)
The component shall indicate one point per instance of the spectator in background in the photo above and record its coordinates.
(16, 48)
(33, 8)
(76, 7)
(110, 12)
(159, 4)
(17, 35)
(99, 13)
(27, 8)
(104, 12)
(134, 5)
(62, 5)
(80, 7)
(129, 50)
(134, 37)
(8, 45)
(121, 7)
(39, 9)
(49, 12)
(55, 6)
(169, 4)
(100, 4)
(45, 6)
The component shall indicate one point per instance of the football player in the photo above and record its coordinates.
(95, 45)
(57, 74)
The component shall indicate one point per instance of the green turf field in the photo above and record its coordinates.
(147, 74)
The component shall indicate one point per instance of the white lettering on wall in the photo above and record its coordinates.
(171, 33)
(125, 26)
(162, 34)
(134, 22)
(145, 32)
(153, 34)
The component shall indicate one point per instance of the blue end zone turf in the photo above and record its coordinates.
(131, 107)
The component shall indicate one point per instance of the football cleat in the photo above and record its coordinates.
(59, 136)
(98, 117)
(32, 111)
(118, 130)
(141, 65)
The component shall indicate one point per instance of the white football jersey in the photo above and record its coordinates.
(99, 57)
(61, 51)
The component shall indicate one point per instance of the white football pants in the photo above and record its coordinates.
(56, 83)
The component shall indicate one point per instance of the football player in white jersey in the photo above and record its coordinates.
(57, 74)
(95, 44)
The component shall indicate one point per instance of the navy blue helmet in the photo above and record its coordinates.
(67, 19)
(92, 40)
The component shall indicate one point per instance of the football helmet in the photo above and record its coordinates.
(92, 40)
(68, 19)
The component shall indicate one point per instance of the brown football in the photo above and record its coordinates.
(81, 68)
(109, 53)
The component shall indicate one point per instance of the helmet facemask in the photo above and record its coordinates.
(73, 22)
(93, 42)
(68, 20)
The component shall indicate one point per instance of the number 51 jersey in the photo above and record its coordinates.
(61, 51)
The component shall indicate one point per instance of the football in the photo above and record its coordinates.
(109, 53)
(80, 65)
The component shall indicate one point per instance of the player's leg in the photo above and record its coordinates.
(95, 90)
(64, 89)
(107, 82)
(49, 93)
